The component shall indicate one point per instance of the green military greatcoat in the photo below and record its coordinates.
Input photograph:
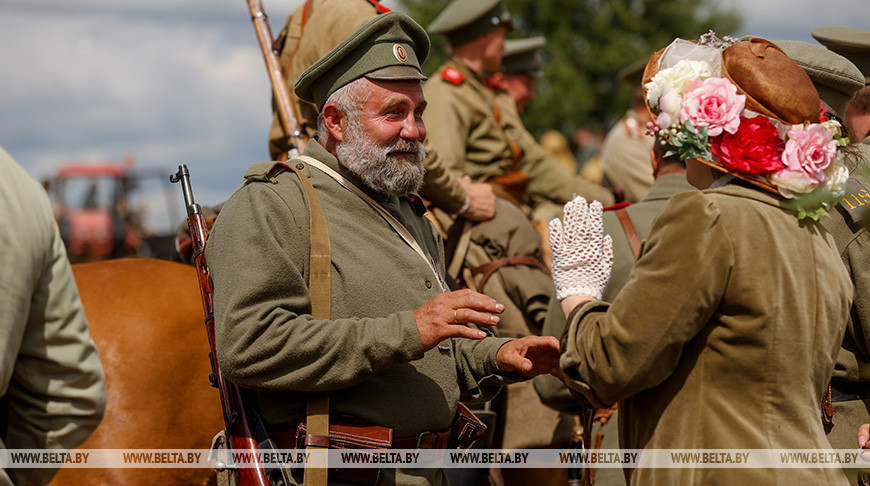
(368, 355)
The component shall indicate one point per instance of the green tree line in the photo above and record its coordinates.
(588, 43)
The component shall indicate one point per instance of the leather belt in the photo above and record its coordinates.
(426, 440)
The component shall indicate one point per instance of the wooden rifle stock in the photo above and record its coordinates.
(243, 425)
(280, 93)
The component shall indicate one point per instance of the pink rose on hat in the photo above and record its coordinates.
(713, 103)
(808, 152)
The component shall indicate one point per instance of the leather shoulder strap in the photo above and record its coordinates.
(516, 150)
(319, 283)
(320, 260)
(630, 231)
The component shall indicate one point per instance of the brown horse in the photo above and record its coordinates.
(147, 321)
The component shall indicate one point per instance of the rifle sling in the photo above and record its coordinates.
(320, 287)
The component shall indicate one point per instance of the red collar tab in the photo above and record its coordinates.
(614, 207)
(381, 8)
(452, 75)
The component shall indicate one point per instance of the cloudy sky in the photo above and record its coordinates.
(172, 82)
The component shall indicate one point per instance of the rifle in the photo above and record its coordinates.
(244, 426)
(280, 93)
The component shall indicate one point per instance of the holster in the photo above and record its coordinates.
(345, 435)
(466, 429)
(511, 185)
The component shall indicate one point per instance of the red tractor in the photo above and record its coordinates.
(92, 211)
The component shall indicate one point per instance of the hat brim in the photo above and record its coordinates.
(752, 179)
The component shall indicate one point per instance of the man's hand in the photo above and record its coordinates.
(531, 356)
(481, 200)
(440, 317)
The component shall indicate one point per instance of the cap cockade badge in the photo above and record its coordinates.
(400, 53)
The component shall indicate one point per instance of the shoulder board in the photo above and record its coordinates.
(452, 75)
(616, 206)
(417, 203)
(260, 171)
(856, 201)
(265, 171)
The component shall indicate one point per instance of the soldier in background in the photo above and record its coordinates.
(311, 31)
(52, 386)
(624, 155)
(521, 64)
(474, 134)
(847, 401)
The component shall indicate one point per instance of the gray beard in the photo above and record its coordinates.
(380, 170)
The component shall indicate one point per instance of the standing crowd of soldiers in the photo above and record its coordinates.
(710, 293)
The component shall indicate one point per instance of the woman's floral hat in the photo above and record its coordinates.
(748, 110)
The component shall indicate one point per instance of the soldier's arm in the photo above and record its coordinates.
(441, 186)
(550, 180)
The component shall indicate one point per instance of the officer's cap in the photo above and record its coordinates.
(835, 77)
(391, 47)
(523, 56)
(465, 20)
(850, 42)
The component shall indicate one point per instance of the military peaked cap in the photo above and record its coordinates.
(523, 56)
(390, 47)
(464, 20)
(849, 42)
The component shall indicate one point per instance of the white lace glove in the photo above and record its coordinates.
(582, 253)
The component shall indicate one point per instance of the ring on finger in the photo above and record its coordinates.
(455, 320)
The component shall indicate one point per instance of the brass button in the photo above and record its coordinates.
(428, 284)
(300, 166)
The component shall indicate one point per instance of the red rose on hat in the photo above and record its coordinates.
(755, 148)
